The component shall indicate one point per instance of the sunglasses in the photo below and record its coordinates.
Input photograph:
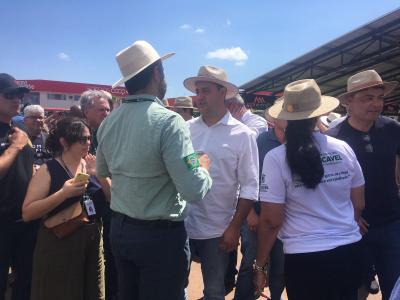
(13, 96)
(84, 139)
(368, 146)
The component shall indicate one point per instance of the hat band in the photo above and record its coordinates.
(300, 107)
(364, 85)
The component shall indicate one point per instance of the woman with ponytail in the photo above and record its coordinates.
(312, 194)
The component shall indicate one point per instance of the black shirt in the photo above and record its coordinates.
(38, 144)
(15, 182)
(376, 152)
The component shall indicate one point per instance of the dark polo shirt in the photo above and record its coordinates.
(14, 184)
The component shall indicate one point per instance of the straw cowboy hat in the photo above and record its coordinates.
(365, 80)
(183, 102)
(211, 74)
(326, 120)
(302, 99)
(136, 58)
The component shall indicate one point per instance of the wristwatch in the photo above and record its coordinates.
(258, 268)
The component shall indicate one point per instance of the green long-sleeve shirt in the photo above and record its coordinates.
(147, 151)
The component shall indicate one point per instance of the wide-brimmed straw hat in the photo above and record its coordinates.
(135, 58)
(183, 102)
(365, 80)
(302, 99)
(214, 75)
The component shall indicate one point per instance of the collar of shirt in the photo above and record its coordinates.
(226, 120)
(144, 96)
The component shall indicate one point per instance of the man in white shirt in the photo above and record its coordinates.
(213, 226)
(238, 110)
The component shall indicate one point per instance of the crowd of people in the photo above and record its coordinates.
(116, 204)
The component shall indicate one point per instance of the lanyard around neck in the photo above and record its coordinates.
(66, 168)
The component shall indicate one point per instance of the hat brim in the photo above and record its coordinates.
(327, 105)
(130, 76)
(231, 89)
(15, 90)
(388, 87)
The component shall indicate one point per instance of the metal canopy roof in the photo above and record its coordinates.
(373, 46)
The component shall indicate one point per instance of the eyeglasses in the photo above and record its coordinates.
(84, 139)
(368, 147)
(13, 96)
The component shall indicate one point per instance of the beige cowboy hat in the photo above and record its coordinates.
(365, 80)
(135, 58)
(326, 120)
(302, 99)
(211, 74)
(183, 102)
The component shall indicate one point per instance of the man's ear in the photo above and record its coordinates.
(158, 74)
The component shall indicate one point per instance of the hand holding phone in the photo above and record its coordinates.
(81, 177)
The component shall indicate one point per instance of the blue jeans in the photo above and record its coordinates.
(152, 261)
(384, 244)
(244, 284)
(214, 262)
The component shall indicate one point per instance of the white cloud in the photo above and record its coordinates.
(185, 26)
(200, 30)
(228, 23)
(235, 54)
(63, 56)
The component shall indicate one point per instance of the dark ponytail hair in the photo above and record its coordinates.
(302, 154)
(70, 129)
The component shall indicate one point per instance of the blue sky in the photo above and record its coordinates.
(77, 40)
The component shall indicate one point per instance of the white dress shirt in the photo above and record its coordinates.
(232, 149)
(255, 122)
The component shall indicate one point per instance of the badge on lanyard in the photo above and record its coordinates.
(89, 205)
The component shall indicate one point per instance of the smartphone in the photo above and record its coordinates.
(81, 177)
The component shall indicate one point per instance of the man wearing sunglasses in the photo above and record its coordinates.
(17, 239)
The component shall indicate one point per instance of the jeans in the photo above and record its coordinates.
(152, 261)
(17, 243)
(214, 262)
(244, 285)
(384, 244)
(111, 275)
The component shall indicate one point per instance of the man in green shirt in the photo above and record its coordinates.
(147, 151)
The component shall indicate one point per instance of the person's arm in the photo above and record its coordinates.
(252, 219)
(270, 222)
(230, 238)
(248, 181)
(191, 180)
(272, 199)
(18, 140)
(105, 183)
(357, 199)
(37, 204)
(102, 170)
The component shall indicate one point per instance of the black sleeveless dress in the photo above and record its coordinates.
(72, 267)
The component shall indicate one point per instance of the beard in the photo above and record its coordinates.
(162, 89)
